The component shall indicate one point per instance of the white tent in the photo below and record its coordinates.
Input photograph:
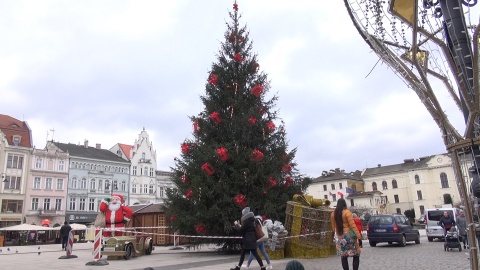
(26, 227)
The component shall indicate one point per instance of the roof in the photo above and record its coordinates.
(126, 149)
(338, 174)
(11, 127)
(147, 208)
(89, 152)
(407, 165)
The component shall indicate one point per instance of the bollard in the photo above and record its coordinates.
(69, 247)
(97, 246)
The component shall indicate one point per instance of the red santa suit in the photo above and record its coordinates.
(115, 215)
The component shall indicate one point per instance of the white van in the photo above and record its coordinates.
(432, 217)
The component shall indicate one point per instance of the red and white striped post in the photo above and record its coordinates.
(69, 247)
(97, 247)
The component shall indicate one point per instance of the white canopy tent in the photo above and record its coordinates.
(26, 227)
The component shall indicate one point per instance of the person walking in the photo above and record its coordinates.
(347, 246)
(462, 228)
(261, 246)
(64, 233)
(446, 222)
(247, 229)
(358, 223)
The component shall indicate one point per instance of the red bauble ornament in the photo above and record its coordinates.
(185, 148)
(252, 120)
(288, 180)
(235, 6)
(215, 116)
(287, 168)
(184, 179)
(240, 200)
(208, 168)
(238, 58)
(195, 127)
(257, 90)
(200, 229)
(173, 218)
(256, 155)
(213, 79)
(222, 154)
(272, 182)
(189, 194)
(270, 126)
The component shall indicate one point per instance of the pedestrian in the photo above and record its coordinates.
(247, 230)
(64, 233)
(358, 222)
(294, 265)
(261, 246)
(446, 222)
(462, 228)
(347, 245)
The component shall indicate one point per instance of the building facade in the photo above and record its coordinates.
(46, 191)
(15, 149)
(94, 174)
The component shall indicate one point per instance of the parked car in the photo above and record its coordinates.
(391, 228)
(421, 220)
(128, 246)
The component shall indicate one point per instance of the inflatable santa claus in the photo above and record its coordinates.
(116, 214)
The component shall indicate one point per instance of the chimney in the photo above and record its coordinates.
(379, 165)
(98, 146)
(85, 143)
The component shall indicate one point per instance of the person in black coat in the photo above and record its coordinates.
(446, 221)
(64, 233)
(247, 229)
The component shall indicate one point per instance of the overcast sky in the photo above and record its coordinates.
(102, 70)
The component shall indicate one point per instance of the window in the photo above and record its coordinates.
(124, 186)
(384, 185)
(444, 180)
(83, 183)
(58, 204)
(91, 204)
(38, 163)
(16, 140)
(134, 188)
(334, 197)
(325, 197)
(354, 187)
(396, 198)
(48, 183)
(34, 203)
(115, 185)
(422, 210)
(82, 204)
(61, 165)
(141, 170)
(340, 185)
(374, 186)
(134, 170)
(145, 188)
(399, 211)
(72, 204)
(59, 184)
(150, 189)
(12, 182)
(146, 170)
(143, 156)
(73, 183)
(93, 184)
(107, 185)
(394, 183)
(162, 192)
(333, 186)
(15, 161)
(417, 179)
(324, 187)
(151, 172)
(46, 204)
(36, 183)
(12, 206)
(419, 195)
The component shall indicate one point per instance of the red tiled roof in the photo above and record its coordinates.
(11, 126)
(126, 149)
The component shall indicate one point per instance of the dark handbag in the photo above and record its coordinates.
(352, 234)
(258, 231)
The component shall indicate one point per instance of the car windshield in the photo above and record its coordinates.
(381, 220)
(436, 215)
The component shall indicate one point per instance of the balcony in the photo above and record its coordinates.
(49, 213)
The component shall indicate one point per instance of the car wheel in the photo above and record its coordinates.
(148, 251)
(430, 239)
(128, 251)
(417, 241)
(403, 242)
(372, 244)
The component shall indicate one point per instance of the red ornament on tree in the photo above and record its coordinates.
(257, 90)
(272, 182)
(189, 194)
(240, 200)
(235, 6)
(270, 126)
(215, 116)
(288, 180)
(200, 229)
(195, 127)
(256, 155)
(213, 79)
(238, 58)
(184, 179)
(185, 148)
(222, 153)
(252, 120)
(173, 218)
(287, 168)
(208, 168)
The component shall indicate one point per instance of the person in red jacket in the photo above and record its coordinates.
(116, 214)
(358, 222)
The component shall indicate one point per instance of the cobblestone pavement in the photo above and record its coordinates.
(427, 255)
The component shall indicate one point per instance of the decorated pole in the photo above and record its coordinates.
(97, 245)
(69, 247)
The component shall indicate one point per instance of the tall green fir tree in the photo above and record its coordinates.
(238, 155)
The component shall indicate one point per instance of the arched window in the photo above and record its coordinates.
(444, 180)
(83, 183)
(394, 183)
(384, 185)
(73, 184)
(374, 186)
(93, 185)
(354, 187)
(417, 179)
(124, 186)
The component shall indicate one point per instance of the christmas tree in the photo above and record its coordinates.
(239, 155)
